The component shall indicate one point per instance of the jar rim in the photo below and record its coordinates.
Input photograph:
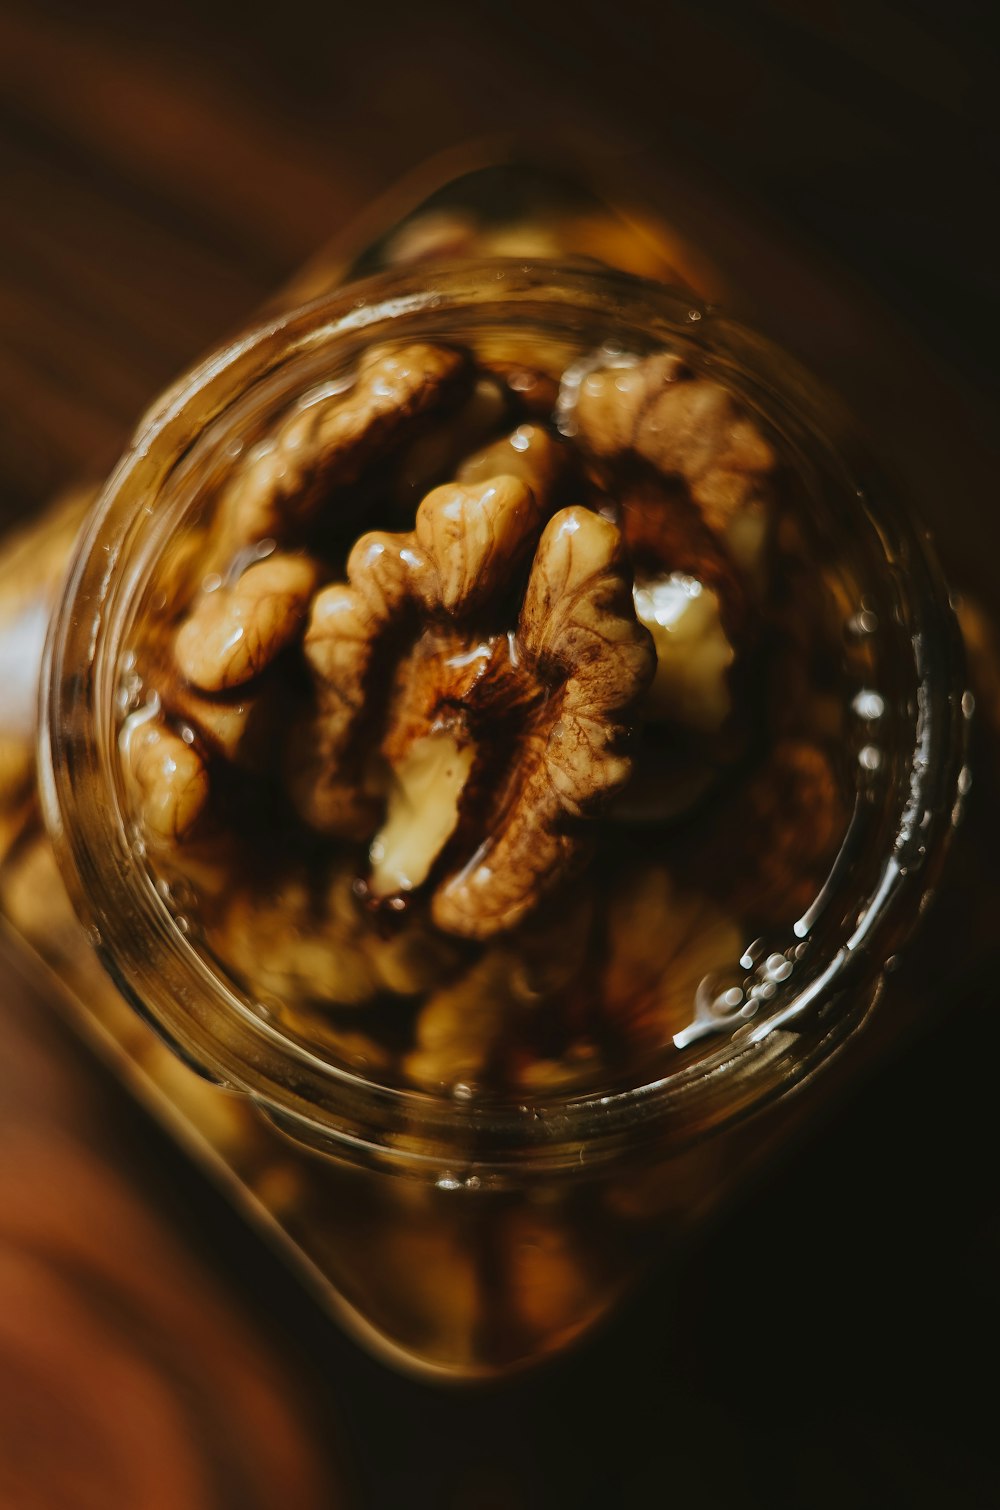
(211, 1023)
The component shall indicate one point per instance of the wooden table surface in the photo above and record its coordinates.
(161, 174)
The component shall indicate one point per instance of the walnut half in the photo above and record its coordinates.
(690, 428)
(580, 648)
(508, 706)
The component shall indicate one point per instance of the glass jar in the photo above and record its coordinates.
(464, 1236)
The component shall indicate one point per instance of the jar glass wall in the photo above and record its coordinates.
(469, 1235)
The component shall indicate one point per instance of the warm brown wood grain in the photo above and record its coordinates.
(129, 1373)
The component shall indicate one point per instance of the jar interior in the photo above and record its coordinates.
(717, 911)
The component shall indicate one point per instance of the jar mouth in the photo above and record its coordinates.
(862, 913)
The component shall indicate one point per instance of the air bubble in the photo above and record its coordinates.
(868, 705)
(752, 954)
(863, 623)
(715, 1006)
(777, 968)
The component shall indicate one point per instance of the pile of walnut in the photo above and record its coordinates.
(386, 761)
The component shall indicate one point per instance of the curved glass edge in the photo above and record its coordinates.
(367, 1112)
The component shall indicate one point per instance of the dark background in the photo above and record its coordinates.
(162, 171)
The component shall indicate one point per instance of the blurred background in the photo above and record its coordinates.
(163, 171)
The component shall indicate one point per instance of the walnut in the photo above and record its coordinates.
(579, 640)
(436, 452)
(461, 1027)
(238, 727)
(534, 392)
(236, 630)
(693, 479)
(792, 816)
(292, 944)
(211, 699)
(514, 728)
(693, 652)
(580, 1065)
(168, 776)
(530, 452)
(663, 940)
(694, 725)
(693, 429)
(307, 941)
(328, 442)
(465, 542)
(480, 1025)
(531, 374)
